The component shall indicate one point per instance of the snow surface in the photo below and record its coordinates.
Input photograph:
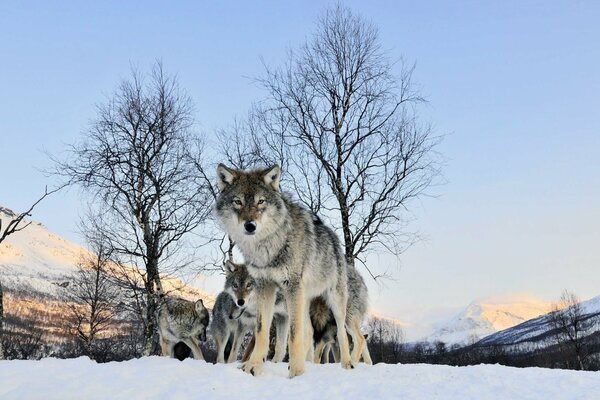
(164, 378)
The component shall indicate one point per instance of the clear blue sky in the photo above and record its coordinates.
(515, 85)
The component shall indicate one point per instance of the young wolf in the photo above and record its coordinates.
(325, 328)
(234, 314)
(184, 321)
(286, 248)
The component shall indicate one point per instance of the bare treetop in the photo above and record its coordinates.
(347, 131)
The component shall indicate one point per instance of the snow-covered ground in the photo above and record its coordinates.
(163, 378)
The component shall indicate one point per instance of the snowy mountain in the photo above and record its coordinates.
(537, 332)
(36, 267)
(480, 319)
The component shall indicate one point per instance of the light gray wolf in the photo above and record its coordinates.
(286, 248)
(234, 314)
(184, 321)
(325, 328)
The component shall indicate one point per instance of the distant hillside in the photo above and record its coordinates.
(539, 332)
(36, 268)
(480, 319)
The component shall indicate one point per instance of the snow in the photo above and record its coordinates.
(164, 378)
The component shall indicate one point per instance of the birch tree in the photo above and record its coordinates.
(346, 128)
(137, 163)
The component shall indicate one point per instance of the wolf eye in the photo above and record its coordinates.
(248, 285)
(235, 286)
(237, 202)
(261, 201)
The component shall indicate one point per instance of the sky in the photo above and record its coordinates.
(513, 86)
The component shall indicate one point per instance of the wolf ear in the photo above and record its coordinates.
(199, 306)
(272, 176)
(225, 176)
(230, 267)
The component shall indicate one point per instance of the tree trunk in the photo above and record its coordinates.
(150, 333)
(1, 323)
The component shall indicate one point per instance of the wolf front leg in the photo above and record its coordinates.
(264, 303)
(193, 344)
(165, 347)
(296, 303)
(236, 342)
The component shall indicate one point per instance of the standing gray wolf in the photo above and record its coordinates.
(325, 328)
(184, 321)
(286, 248)
(234, 314)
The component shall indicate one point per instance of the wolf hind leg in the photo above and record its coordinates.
(282, 326)
(309, 345)
(358, 340)
(338, 307)
(319, 351)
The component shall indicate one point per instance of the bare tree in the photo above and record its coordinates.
(347, 130)
(570, 323)
(138, 164)
(385, 340)
(94, 296)
(17, 223)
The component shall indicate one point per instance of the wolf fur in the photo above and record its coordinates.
(184, 321)
(234, 314)
(325, 328)
(286, 248)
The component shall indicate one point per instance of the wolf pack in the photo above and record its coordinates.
(294, 278)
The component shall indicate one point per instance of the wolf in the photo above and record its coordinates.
(325, 328)
(234, 314)
(184, 321)
(286, 248)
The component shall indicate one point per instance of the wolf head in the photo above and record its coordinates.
(202, 313)
(250, 204)
(240, 285)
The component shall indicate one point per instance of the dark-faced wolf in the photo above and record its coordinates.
(184, 321)
(234, 314)
(286, 248)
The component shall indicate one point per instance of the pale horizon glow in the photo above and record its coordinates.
(514, 87)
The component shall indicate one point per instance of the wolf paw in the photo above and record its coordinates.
(253, 368)
(295, 370)
(347, 364)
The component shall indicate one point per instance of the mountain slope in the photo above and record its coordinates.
(481, 319)
(537, 332)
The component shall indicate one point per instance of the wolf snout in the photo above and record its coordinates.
(240, 302)
(250, 227)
